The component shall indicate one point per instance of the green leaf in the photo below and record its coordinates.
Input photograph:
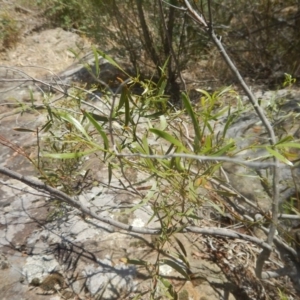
(226, 148)
(155, 115)
(67, 117)
(127, 107)
(99, 129)
(96, 61)
(225, 90)
(146, 145)
(46, 126)
(136, 148)
(49, 112)
(99, 118)
(170, 149)
(172, 293)
(168, 138)
(137, 262)
(23, 129)
(161, 85)
(190, 111)
(204, 92)
(180, 269)
(229, 121)
(164, 67)
(184, 260)
(279, 156)
(207, 144)
(109, 173)
(122, 98)
(111, 61)
(179, 166)
(288, 145)
(180, 245)
(220, 113)
(165, 282)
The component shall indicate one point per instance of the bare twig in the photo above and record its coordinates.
(201, 158)
(40, 186)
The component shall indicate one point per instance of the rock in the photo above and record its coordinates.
(248, 133)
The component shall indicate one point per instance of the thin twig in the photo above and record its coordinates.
(201, 158)
(40, 186)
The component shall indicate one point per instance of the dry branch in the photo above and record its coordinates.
(54, 193)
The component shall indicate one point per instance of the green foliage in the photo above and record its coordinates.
(66, 142)
(288, 80)
(139, 132)
(9, 31)
(282, 295)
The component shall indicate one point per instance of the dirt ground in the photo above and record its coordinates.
(32, 48)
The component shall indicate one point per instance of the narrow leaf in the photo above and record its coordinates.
(229, 146)
(279, 156)
(138, 262)
(181, 246)
(76, 123)
(109, 173)
(99, 129)
(168, 138)
(204, 92)
(228, 123)
(142, 203)
(180, 269)
(122, 98)
(99, 118)
(288, 145)
(24, 129)
(47, 126)
(154, 115)
(190, 111)
(111, 61)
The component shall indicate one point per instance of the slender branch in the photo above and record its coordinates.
(250, 164)
(40, 186)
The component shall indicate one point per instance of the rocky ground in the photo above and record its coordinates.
(50, 253)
